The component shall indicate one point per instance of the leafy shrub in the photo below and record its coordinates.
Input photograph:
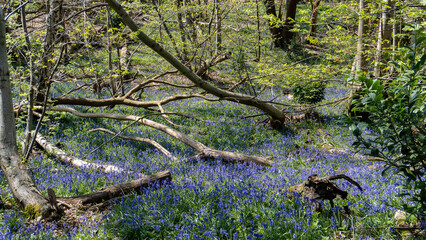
(309, 92)
(398, 122)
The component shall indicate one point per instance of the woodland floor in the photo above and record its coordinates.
(211, 199)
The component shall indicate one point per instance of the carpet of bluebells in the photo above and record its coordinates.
(212, 199)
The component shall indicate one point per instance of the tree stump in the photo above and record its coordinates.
(317, 189)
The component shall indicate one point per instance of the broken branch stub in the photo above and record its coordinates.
(319, 189)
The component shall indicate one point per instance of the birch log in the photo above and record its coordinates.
(73, 161)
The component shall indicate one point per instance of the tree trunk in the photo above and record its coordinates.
(276, 31)
(258, 52)
(359, 61)
(183, 34)
(384, 38)
(314, 19)
(54, 16)
(290, 17)
(281, 34)
(218, 27)
(110, 68)
(21, 184)
(269, 109)
(29, 126)
(73, 161)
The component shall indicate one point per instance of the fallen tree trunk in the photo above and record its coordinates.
(204, 151)
(268, 108)
(117, 190)
(73, 161)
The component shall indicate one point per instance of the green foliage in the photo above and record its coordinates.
(309, 92)
(398, 122)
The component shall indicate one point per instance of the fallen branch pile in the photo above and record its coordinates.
(203, 151)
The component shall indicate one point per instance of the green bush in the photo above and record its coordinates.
(309, 92)
(397, 130)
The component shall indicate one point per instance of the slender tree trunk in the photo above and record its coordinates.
(21, 184)
(394, 39)
(359, 61)
(119, 69)
(378, 55)
(218, 28)
(190, 21)
(166, 28)
(258, 31)
(314, 18)
(183, 33)
(384, 37)
(32, 84)
(54, 16)
(110, 68)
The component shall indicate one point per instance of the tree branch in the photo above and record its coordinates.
(139, 139)
(203, 150)
(124, 101)
(235, 97)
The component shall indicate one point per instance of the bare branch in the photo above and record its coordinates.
(139, 139)
(104, 143)
(125, 101)
(319, 105)
(164, 115)
(343, 176)
(204, 151)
